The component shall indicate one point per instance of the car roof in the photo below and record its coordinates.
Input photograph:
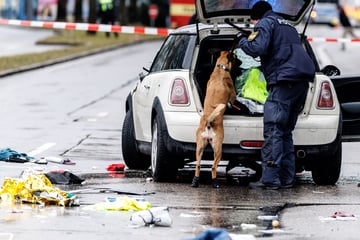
(238, 11)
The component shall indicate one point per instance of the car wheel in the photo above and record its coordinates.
(132, 157)
(164, 167)
(327, 170)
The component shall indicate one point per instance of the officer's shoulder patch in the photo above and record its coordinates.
(252, 36)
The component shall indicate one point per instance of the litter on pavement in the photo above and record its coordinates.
(58, 176)
(59, 160)
(221, 234)
(63, 177)
(123, 203)
(157, 216)
(37, 189)
(116, 167)
(339, 216)
(116, 170)
(10, 155)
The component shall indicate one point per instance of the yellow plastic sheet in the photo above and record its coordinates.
(255, 86)
(36, 188)
(123, 204)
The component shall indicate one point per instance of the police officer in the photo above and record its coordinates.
(107, 13)
(288, 69)
(345, 22)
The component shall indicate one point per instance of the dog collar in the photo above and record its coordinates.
(223, 67)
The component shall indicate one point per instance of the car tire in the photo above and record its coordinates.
(164, 167)
(327, 170)
(132, 157)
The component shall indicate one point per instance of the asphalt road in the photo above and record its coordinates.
(75, 110)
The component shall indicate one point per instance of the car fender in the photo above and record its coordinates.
(128, 103)
(157, 110)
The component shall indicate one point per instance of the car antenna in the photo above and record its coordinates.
(307, 21)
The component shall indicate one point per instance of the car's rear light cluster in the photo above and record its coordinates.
(251, 144)
(326, 98)
(179, 94)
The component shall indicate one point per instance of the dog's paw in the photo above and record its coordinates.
(195, 182)
(215, 183)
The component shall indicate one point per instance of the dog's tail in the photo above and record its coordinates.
(214, 114)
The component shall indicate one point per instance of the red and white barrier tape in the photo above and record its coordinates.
(333, 40)
(88, 27)
(127, 29)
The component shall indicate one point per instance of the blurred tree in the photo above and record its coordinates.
(133, 11)
(92, 11)
(92, 14)
(123, 19)
(61, 11)
(144, 14)
(78, 10)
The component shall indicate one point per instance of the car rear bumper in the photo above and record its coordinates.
(236, 152)
(310, 130)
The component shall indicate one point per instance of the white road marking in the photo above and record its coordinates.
(103, 114)
(41, 149)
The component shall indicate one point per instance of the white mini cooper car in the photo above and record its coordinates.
(164, 108)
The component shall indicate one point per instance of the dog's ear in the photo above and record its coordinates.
(237, 62)
(235, 70)
(234, 60)
(230, 57)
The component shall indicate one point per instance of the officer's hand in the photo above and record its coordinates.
(246, 33)
(238, 36)
(241, 34)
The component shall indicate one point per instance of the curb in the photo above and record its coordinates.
(110, 174)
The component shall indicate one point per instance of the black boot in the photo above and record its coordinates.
(195, 182)
(215, 183)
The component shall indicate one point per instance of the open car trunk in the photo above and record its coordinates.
(237, 14)
(208, 54)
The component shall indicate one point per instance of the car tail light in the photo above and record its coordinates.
(326, 99)
(251, 144)
(178, 94)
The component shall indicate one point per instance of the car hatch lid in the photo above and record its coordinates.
(216, 11)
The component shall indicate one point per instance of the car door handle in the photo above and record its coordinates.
(147, 87)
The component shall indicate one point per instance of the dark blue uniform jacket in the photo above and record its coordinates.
(278, 44)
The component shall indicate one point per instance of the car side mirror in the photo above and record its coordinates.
(146, 70)
(330, 70)
(142, 75)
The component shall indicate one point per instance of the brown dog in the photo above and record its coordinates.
(219, 92)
